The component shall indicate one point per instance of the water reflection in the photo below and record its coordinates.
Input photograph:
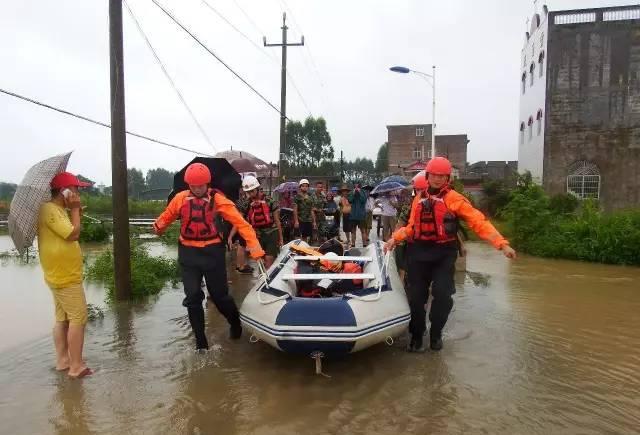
(539, 347)
(70, 409)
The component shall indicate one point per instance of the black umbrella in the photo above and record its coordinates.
(223, 177)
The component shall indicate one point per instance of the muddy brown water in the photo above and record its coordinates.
(533, 346)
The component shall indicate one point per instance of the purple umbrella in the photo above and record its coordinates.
(287, 187)
(387, 186)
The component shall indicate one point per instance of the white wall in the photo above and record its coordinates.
(531, 152)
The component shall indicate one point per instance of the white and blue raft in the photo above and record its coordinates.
(327, 302)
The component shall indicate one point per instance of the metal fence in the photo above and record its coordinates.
(584, 186)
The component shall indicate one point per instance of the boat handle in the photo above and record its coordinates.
(385, 266)
(263, 274)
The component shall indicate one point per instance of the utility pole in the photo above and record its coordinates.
(283, 87)
(433, 117)
(121, 247)
(341, 167)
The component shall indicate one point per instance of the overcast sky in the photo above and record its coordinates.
(57, 52)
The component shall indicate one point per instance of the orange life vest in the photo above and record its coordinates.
(353, 268)
(198, 218)
(259, 214)
(433, 221)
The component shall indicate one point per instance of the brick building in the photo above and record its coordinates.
(492, 170)
(580, 103)
(406, 143)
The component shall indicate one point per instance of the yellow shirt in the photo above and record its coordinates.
(61, 259)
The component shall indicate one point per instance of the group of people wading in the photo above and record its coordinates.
(430, 233)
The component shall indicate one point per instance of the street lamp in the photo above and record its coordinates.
(431, 79)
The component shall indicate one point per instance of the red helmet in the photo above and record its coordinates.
(420, 181)
(197, 174)
(438, 166)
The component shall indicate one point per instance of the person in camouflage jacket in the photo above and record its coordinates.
(303, 217)
(319, 204)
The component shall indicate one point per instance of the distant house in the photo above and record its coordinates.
(407, 143)
(492, 170)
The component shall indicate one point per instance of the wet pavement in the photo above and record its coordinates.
(533, 346)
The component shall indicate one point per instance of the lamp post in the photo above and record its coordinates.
(431, 79)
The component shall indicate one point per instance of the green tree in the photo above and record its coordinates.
(382, 161)
(296, 148)
(91, 190)
(7, 190)
(159, 178)
(360, 170)
(308, 145)
(318, 141)
(496, 196)
(135, 182)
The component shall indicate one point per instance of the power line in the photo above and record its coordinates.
(223, 18)
(93, 121)
(216, 56)
(166, 74)
(295, 87)
(260, 49)
(248, 17)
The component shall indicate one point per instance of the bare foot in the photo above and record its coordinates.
(62, 364)
(85, 371)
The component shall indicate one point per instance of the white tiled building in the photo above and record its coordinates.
(533, 83)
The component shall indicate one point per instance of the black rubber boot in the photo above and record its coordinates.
(415, 345)
(235, 330)
(435, 340)
(196, 318)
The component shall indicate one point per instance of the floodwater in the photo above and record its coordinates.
(533, 346)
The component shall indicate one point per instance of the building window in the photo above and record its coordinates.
(522, 133)
(524, 83)
(531, 74)
(576, 18)
(541, 63)
(623, 14)
(419, 131)
(530, 128)
(583, 180)
(417, 153)
(542, 41)
(539, 122)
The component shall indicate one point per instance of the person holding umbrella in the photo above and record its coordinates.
(432, 250)
(61, 260)
(201, 251)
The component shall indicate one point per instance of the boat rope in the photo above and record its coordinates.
(317, 356)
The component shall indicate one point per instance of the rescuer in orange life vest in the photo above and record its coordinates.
(201, 252)
(264, 216)
(432, 250)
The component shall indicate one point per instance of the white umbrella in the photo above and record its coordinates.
(30, 194)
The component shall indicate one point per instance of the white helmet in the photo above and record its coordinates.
(303, 181)
(249, 183)
(334, 265)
